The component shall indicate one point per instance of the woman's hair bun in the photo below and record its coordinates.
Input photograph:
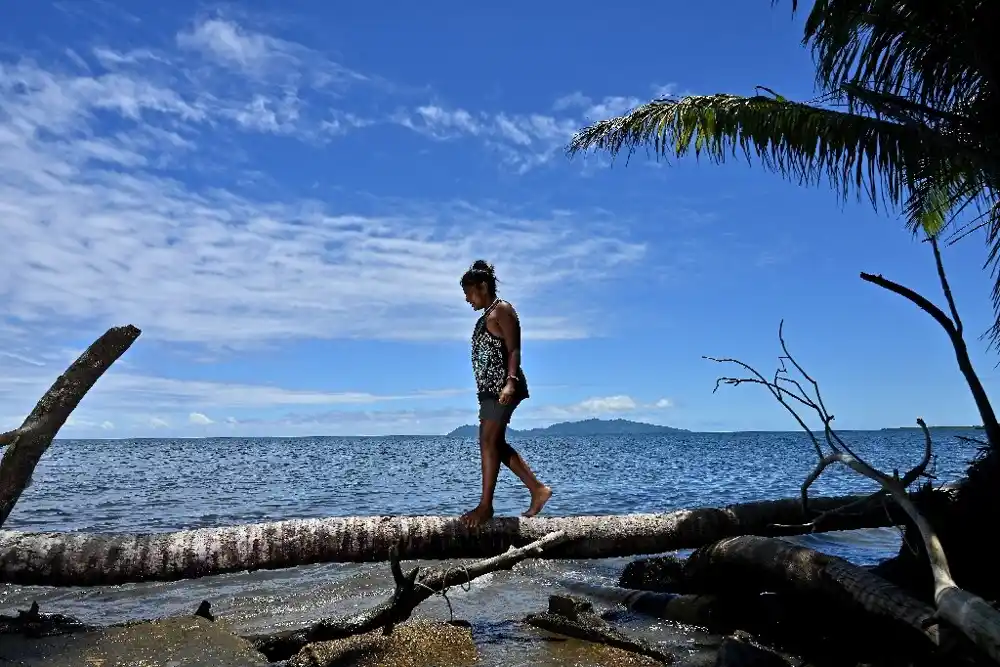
(482, 265)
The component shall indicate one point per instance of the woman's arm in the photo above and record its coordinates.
(510, 328)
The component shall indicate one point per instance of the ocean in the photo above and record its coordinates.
(165, 485)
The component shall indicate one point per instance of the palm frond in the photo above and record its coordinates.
(802, 142)
(935, 52)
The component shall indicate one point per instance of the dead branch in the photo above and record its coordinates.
(953, 327)
(967, 612)
(786, 389)
(35, 435)
(576, 618)
(410, 591)
(714, 612)
(33, 623)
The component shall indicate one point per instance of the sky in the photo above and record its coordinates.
(283, 197)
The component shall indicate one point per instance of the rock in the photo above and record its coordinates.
(187, 641)
(740, 650)
(416, 643)
(580, 653)
(575, 618)
(32, 623)
(661, 574)
(569, 606)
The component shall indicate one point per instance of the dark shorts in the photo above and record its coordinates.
(491, 409)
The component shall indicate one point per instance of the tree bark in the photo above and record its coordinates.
(808, 625)
(29, 442)
(754, 563)
(96, 559)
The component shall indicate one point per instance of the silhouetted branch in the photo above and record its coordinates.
(29, 442)
(953, 327)
(410, 591)
(967, 612)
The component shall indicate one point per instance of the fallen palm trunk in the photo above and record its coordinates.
(99, 559)
(708, 611)
(28, 442)
(806, 625)
(752, 563)
(410, 592)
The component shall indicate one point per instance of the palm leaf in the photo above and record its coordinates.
(802, 142)
(936, 52)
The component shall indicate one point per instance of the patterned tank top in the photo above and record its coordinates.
(489, 361)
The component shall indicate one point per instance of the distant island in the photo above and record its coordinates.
(934, 428)
(585, 427)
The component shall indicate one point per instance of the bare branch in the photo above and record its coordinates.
(779, 393)
(954, 330)
(921, 302)
(410, 591)
(945, 286)
(35, 435)
(967, 612)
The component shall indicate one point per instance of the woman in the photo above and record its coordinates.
(501, 386)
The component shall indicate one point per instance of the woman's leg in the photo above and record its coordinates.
(540, 493)
(490, 437)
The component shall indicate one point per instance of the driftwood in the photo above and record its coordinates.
(33, 623)
(576, 619)
(27, 443)
(740, 650)
(411, 590)
(967, 612)
(719, 613)
(102, 559)
(753, 564)
(808, 625)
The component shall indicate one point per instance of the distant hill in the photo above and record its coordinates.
(585, 427)
(934, 428)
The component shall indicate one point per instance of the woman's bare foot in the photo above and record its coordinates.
(477, 517)
(539, 497)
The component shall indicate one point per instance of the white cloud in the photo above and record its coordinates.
(594, 110)
(106, 425)
(224, 42)
(605, 405)
(156, 422)
(524, 141)
(230, 44)
(601, 406)
(200, 419)
(84, 202)
(130, 390)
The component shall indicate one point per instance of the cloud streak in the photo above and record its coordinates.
(128, 191)
(107, 233)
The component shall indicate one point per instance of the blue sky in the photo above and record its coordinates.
(283, 196)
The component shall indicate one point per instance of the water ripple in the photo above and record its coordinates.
(163, 485)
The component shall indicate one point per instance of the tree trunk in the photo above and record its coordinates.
(751, 563)
(959, 517)
(101, 559)
(29, 442)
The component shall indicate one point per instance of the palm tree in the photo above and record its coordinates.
(908, 113)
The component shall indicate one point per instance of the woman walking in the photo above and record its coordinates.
(501, 386)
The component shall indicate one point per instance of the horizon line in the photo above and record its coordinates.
(447, 435)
